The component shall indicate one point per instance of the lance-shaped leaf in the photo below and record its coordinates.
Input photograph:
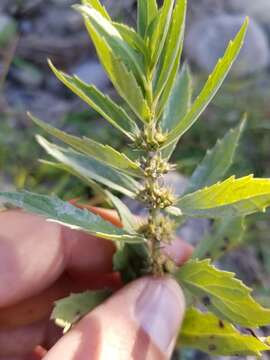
(161, 30)
(232, 197)
(222, 293)
(132, 38)
(71, 309)
(105, 29)
(206, 332)
(100, 152)
(99, 102)
(120, 75)
(97, 189)
(226, 235)
(168, 88)
(177, 106)
(127, 218)
(97, 6)
(217, 161)
(147, 11)
(212, 85)
(172, 48)
(64, 213)
(89, 169)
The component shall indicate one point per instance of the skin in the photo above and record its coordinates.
(41, 261)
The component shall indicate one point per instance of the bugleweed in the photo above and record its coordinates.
(156, 109)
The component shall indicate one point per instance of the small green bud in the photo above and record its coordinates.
(151, 138)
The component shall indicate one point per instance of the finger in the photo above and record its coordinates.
(35, 252)
(179, 251)
(31, 255)
(141, 321)
(20, 341)
(40, 306)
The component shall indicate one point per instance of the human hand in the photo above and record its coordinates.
(42, 261)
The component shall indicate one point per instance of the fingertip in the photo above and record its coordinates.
(142, 318)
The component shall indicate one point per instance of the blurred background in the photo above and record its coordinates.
(33, 30)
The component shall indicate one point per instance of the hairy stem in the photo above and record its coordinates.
(155, 195)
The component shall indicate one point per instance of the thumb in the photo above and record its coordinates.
(139, 322)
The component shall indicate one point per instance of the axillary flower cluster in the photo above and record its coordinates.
(155, 194)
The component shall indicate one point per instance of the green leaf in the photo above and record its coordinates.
(222, 293)
(217, 161)
(89, 169)
(71, 309)
(178, 105)
(99, 102)
(97, 189)
(97, 6)
(105, 29)
(173, 47)
(179, 101)
(147, 11)
(103, 153)
(132, 38)
(205, 332)
(211, 87)
(226, 235)
(160, 32)
(168, 88)
(64, 213)
(120, 75)
(128, 220)
(232, 197)
(132, 261)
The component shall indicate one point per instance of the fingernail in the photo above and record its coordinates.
(159, 310)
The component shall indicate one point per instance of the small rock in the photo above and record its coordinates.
(259, 9)
(22, 8)
(60, 21)
(27, 75)
(208, 38)
(194, 230)
(92, 73)
(8, 29)
(40, 103)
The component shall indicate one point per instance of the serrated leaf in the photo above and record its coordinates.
(105, 29)
(147, 11)
(160, 31)
(99, 102)
(127, 218)
(232, 197)
(71, 309)
(132, 38)
(178, 105)
(173, 47)
(217, 161)
(97, 6)
(211, 87)
(97, 189)
(206, 332)
(227, 233)
(100, 152)
(222, 293)
(121, 77)
(89, 169)
(64, 213)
